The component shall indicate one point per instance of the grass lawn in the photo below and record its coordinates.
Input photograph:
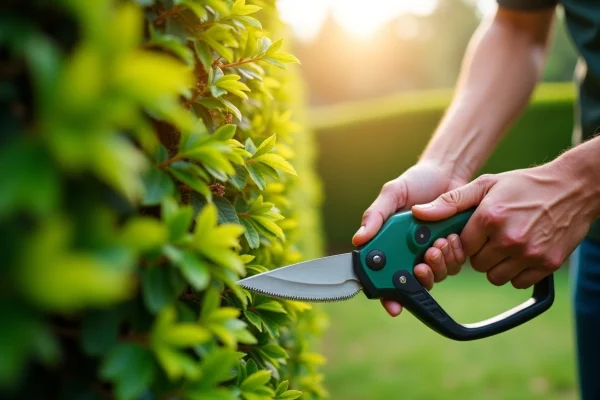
(372, 356)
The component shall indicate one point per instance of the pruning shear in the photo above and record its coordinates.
(383, 268)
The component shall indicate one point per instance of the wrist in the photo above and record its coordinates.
(579, 167)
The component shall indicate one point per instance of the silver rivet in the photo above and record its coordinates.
(403, 279)
(377, 259)
(422, 236)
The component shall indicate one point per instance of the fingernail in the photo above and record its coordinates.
(455, 242)
(445, 248)
(437, 256)
(423, 206)
(360, 231)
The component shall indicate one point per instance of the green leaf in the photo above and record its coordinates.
(192, 267)
(254, 320)
(226, 210)
(275, 351)
(251, 234)
(272, 306)
(231, 107)
(211, 394)
(225, 132)
(256, 177)
(277, 162)
(160, 286)
(157, 186)
(204, 54)
(100, 330)
(252, 382)
(131, 368)
(183, 173)
(143, 233)
(266, 146)
(289, 395)
(218, 366)
(281, 388)
(179, 222)
(269, 226)
(172, 44)
(240, 178)
(251, 367)
(212, 301)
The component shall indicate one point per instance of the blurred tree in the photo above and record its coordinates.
(411, 52)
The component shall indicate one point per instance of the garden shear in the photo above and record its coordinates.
(383, 268)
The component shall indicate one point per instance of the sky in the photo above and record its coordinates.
(305, 17)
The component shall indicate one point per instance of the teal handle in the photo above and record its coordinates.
(385, 267)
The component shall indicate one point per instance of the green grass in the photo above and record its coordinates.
(372, 356)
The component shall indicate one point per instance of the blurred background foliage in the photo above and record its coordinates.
(152, 155)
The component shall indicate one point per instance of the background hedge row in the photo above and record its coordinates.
(151, 155)
(362, 145)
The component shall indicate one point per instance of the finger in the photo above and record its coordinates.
(473, 236)
(457, 200)
(457, 249)
(504, 272)
(433, 257)
(452, 266)
(392, 307)
(391, 198)
(425, 275)
(529, 277)
(488, 257)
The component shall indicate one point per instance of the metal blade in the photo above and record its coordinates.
(322, 280)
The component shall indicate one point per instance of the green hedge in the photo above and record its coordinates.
(151, 155)
(363, 145)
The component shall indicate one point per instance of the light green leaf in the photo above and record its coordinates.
(289, 395)
(231, 107)
(277, 162)
(272, 306)
(266, 146)
(143, 233)
(269, 226)
(225, 132)
(252, 382)
(281, 388)
(204, 54)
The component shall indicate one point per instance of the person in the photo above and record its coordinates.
(527, 222)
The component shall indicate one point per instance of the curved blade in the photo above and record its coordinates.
(321, 280)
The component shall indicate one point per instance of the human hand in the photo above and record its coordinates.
(526, 224)
(419, 184)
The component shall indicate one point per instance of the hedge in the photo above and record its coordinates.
(362, 145)
(152, 156)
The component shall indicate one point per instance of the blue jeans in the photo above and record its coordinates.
(586, 285)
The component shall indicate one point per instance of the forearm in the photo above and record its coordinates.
(502, 65)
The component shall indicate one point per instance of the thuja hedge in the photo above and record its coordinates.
(150, 157)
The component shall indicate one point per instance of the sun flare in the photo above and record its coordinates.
(359, 18)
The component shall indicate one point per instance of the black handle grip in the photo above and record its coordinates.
(384, 278)
(424, 307)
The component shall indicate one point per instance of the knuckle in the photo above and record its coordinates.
(495, 279)
(388, 187)
(452, 197)
(514, 239)
(485, 181)
(552, 261)
(493, 215)
(477, 265)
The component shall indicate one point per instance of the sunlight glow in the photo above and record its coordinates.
(305, 17)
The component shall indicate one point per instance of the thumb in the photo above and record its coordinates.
(454, 201)
(391, 198)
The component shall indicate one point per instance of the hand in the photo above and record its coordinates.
(419, 184)
(526, 224)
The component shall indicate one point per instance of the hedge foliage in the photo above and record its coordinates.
(379, 139)
(150, 157)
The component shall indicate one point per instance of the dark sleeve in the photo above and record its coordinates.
(527, 4)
